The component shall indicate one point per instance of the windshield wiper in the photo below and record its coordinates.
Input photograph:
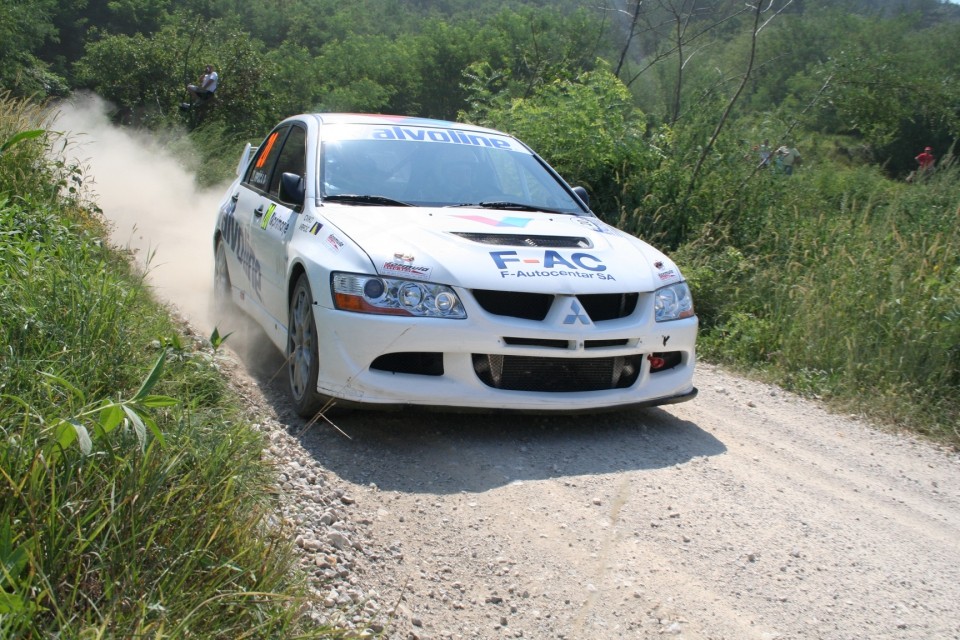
(505, 205)
(515, 206)
(354, 198)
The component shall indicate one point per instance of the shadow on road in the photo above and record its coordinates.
(449, 453)
(443, 453)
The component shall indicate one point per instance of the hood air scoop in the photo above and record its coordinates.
(525, 240)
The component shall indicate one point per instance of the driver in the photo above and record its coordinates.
(459, 179)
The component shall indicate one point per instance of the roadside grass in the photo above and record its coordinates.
(133, 498)
(845, 286)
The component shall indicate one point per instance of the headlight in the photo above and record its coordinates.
(394, 296)
(673, 302)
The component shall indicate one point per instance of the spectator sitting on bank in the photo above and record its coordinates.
(205, 87)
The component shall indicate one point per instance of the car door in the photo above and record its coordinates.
(267, 221)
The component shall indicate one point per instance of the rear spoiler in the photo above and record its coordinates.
(248, 152)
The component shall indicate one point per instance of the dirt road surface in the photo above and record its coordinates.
(747, 513)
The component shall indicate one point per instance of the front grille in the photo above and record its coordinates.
(556, 375)
(600, 344)
(524, 240)
(514, 304)
(608, 306)
(536, 342)
(535, 306)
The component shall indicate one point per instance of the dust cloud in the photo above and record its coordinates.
(154, 208)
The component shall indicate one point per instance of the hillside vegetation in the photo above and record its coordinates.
(123, 469)
(133, 499)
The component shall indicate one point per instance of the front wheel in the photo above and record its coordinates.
(303, 359)
(222, 290)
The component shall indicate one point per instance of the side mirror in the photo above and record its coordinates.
(583, 195)
(292, 189)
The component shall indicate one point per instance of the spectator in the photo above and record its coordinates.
(925, 160)
(788, 157)
(765, 153)
(205, 87)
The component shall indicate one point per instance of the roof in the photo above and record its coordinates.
(392, 120)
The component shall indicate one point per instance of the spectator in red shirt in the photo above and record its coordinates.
(925, 160)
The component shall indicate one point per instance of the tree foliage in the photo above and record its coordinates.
(604, 133)
(655, 105)
(25, 27)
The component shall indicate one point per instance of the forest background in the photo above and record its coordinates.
(841, 280)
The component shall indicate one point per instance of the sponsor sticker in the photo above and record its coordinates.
(669, 274)
(509, 221)
(237, 238)
(309, 224)
(590, 223)
(274, 222)
(334, 242)
(312, 227)
(403, 265)
(397, 268)
(419, 130)
(449, 136)
(551, 264)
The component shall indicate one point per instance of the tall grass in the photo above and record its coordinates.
(845, 285)
(133, 500)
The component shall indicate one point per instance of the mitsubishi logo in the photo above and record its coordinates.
(576, 315)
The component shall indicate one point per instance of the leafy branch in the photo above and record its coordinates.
(133, 412)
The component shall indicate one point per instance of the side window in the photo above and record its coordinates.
(258, 173)
(292, 158)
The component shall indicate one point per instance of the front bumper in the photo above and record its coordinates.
(554, 366)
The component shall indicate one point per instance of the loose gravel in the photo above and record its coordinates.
(747, 513)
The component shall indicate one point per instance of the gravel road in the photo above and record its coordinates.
(747, 513)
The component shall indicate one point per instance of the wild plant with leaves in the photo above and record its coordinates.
(133, 499)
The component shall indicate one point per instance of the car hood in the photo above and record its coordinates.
(507, 250)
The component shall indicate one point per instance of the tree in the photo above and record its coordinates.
(144, 77)
(585, 127)
(666, 35)
(896, 88)
(24, 28)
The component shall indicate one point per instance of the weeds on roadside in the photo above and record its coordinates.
(847, 286)
(133, 499)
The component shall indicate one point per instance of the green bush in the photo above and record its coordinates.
(133, 498)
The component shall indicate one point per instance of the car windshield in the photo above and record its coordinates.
(428, 166)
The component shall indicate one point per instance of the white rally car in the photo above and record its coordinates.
(404, 261)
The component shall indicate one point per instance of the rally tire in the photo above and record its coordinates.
(303, 358)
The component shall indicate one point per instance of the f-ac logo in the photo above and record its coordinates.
(551, 260)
